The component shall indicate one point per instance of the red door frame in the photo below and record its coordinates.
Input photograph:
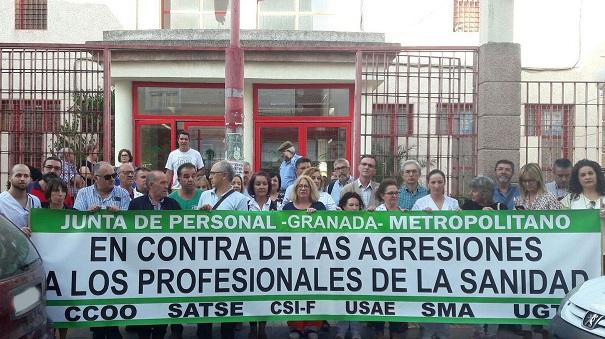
(302, 136)
(304, 122)
(187, 120)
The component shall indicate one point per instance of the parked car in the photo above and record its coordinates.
(582, 312)
(22, 286)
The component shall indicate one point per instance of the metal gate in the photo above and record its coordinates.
(419, 104)
(561, 120)
(51, 99)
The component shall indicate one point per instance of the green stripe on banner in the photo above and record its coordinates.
(122, 301)
(168, 321)
(495, 222)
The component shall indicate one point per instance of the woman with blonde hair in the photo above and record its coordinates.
(304, 197)
(324, 197)
(534, 195)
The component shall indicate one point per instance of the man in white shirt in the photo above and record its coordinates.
(561, 170)
(365, 185)
(182, 155)
(16, 203)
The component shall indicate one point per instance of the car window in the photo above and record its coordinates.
(16, 251)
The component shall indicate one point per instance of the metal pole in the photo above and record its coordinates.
(234, 90)
(107, 156)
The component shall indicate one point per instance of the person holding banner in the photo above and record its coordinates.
(352, 202)
(156, 200)
(56, 190)
(103, 195)
(534, 195)
(304, 197)
(482, 195)
(586, 186)
(259, 187)
(221, 197)
(436, 201)
(586, 190)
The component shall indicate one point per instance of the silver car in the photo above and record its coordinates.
(582, 312)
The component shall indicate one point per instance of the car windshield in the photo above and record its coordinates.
(16, 251)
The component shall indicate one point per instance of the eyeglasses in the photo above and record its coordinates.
(394, 193)
(106, 176)
(341, 168)
(303, 186)
(51, 167)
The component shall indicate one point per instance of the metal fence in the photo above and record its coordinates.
(420, 104)
(561, 120)
(50, 99)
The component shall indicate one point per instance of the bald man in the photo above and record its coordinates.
(16, 203)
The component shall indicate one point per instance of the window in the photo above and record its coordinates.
(466, 15)
(169, 101)
(28, 123)
(31, 14)
(295, 15)
(455, 119)
(195, 14)
(393, 120)
(552, 121)
(304, 101)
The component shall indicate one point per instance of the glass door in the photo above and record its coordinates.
(154, 141)
(321, 142)
(208, 140)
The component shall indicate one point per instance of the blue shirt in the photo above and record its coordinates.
(407, 198)
(509, 198)
(287, 171)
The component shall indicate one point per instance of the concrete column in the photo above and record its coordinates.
(124, 123)
(499, 105)
(497, 21)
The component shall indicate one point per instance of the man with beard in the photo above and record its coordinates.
(52, 166)
(342, 170)
(16, 203)
(505, 192)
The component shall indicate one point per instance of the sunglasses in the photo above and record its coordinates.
(107, 176)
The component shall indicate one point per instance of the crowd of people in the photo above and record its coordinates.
(185, 183)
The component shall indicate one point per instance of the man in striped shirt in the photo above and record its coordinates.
(103, 194)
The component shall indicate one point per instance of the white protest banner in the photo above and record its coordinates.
(166, 267)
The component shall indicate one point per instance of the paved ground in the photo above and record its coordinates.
(278, 330)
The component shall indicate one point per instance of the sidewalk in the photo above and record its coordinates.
(279, 330)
